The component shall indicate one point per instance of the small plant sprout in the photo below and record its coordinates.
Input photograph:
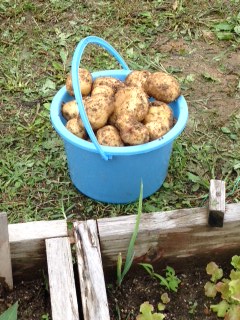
(122, 271)
(170, 281)
(216, 274)
(229, 289)
(147, 309)
(165, 298)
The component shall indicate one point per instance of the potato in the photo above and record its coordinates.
(76, 127)
(108, 81)
(132, 132)
(103, 89)
(159, 111)
(162, 87)
(137, 78)
(70, 110)
(98, 109)
(132, 101)
(85, 79)
(159, 119)
(109, 136)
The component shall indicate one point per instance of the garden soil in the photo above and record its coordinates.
(188, 303)
(33, 300)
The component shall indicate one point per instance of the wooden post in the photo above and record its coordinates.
(91, 276)
(5, 256)
(216, 203)
(61, 280)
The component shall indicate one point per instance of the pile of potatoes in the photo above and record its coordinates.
(121, 113)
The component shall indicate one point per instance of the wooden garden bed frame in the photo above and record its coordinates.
(28, 248)
(166, 237)
(195, 235)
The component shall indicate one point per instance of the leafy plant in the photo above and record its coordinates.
(228, 29)
(170, 281)
(147, 309)
(229, 289)
(122, 270)
(10, 313)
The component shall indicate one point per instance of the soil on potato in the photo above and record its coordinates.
(33, 300)
(188, 303)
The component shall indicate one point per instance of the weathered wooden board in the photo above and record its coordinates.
(5, 255)
(175, 234)
(91, 277)
(217, 204)
(61, 279)
(27, 244)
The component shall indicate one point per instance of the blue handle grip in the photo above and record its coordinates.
(77, 86)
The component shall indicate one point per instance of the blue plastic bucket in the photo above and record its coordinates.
(113, 174)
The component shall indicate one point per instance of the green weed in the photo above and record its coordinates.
(122, 270)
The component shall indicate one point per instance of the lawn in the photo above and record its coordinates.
(196, 41)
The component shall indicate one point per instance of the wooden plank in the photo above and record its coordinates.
(216, 203)
(5, 255)
(92, 283)
(174, 234)
(61, 280)
(27, 244)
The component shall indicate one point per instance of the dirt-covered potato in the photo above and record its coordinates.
(103, 89)
(85, 79)
(108, 81)
(76, 127)
(98, 109)
(131, 101)
(137, 78)
(109, 136)
(162, 87)
(70, 110)
(159, 119)
(132, 132)
(159, 111)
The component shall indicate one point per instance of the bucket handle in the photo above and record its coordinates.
(77, 86)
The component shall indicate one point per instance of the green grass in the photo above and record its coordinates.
(38, 40)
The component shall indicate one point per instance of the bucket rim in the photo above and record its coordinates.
(67, 136)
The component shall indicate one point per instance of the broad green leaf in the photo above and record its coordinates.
(224, 26)
(220, 309)
(234, 274)
(225, 35)
(146, 308)
(236, 262)
(234, 287)
(10, 313)
(223, 288)
(214, 271)
(225, 130)
(210, 290)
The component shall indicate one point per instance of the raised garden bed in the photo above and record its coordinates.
(26, 249)
(185, 239)
(179, 238)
